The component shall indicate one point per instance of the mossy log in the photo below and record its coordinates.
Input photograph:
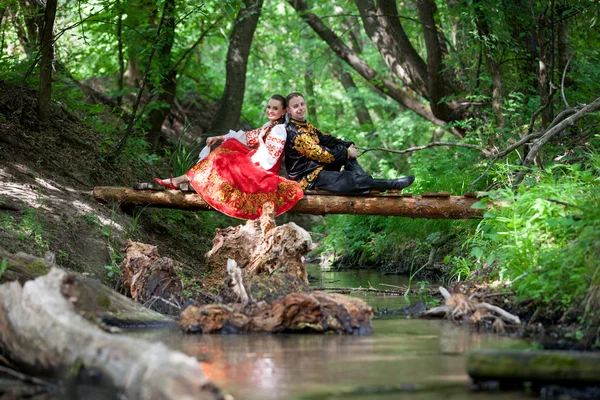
(96, 301)
(541, 366)
(22, 267)
(41, 328)
(428, 205)
(307, 312)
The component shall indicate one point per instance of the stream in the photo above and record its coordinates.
(405, 358)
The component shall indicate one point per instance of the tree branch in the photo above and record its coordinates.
(485, 152)
(539, 143)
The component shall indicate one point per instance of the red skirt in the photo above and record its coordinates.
(230, 182)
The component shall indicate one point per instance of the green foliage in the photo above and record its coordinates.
(182, 157)
(29, 228)
(543, 239)
(3, 266)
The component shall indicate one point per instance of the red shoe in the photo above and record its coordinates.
(165, 184)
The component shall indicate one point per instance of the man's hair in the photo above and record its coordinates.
(292, 95)
(280, 98)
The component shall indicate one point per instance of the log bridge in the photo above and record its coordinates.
(431, 205)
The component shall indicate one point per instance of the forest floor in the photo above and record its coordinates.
(46, 205)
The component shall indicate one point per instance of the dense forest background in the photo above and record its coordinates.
(467, 95)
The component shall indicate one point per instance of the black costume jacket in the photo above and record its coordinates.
(308, 151)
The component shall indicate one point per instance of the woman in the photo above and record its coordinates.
(240, 175)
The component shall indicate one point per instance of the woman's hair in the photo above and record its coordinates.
(292, 95)
(280, 98)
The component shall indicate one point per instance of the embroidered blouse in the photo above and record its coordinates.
(268, 152)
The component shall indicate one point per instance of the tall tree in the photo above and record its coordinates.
(47, 51)
(406, 98)
(240, 41)
(33, 15)
(362, 112)
(487, 44)
(167, 75)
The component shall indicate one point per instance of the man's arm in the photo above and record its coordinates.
(309, 148)
(330, 141)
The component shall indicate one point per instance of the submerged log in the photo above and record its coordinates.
(307, 312)
(392, 204)
(41, 328)
(542, 366)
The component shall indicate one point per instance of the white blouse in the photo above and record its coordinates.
(269, 151)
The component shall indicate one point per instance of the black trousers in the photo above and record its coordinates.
(352, 180)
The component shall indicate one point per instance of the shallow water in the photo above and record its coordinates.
(404, 358)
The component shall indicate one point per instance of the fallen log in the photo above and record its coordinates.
(542, 366)
(392, 204)
(41, 328)
(22, 267)
(307, 312)
(96, 301)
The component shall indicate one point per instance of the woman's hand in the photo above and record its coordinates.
(213, 140)
(261, 136)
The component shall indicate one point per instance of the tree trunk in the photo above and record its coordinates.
(121, 61)
(408, 100)
(434, 206)
(21, 34)
(361, 111)
(436, 85)
(43, 328)
(47, 50)
(33, 15)
(3, 12)
(168, 85)
(240, 41)
(383, 27)
(141, 15)
(311, 97)
(544, 73)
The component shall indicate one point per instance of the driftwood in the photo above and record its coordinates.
(41, 328)
(155, 281)
(261, 247)
(459, 306)
(308, 312)
(542, 366)
(432, 205)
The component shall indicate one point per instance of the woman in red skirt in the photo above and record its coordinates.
(240, 175)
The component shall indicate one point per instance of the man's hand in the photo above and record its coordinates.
(213, 140)
(352, 152)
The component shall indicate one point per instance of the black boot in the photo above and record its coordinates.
(393, 184)
(403, 182)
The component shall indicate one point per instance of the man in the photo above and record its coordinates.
(315, 159)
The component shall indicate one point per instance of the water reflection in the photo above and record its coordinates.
(407, 358)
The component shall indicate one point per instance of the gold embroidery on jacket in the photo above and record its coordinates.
(307, 144)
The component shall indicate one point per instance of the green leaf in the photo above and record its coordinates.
(477, 252)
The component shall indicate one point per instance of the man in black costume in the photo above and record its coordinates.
(315, 159)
